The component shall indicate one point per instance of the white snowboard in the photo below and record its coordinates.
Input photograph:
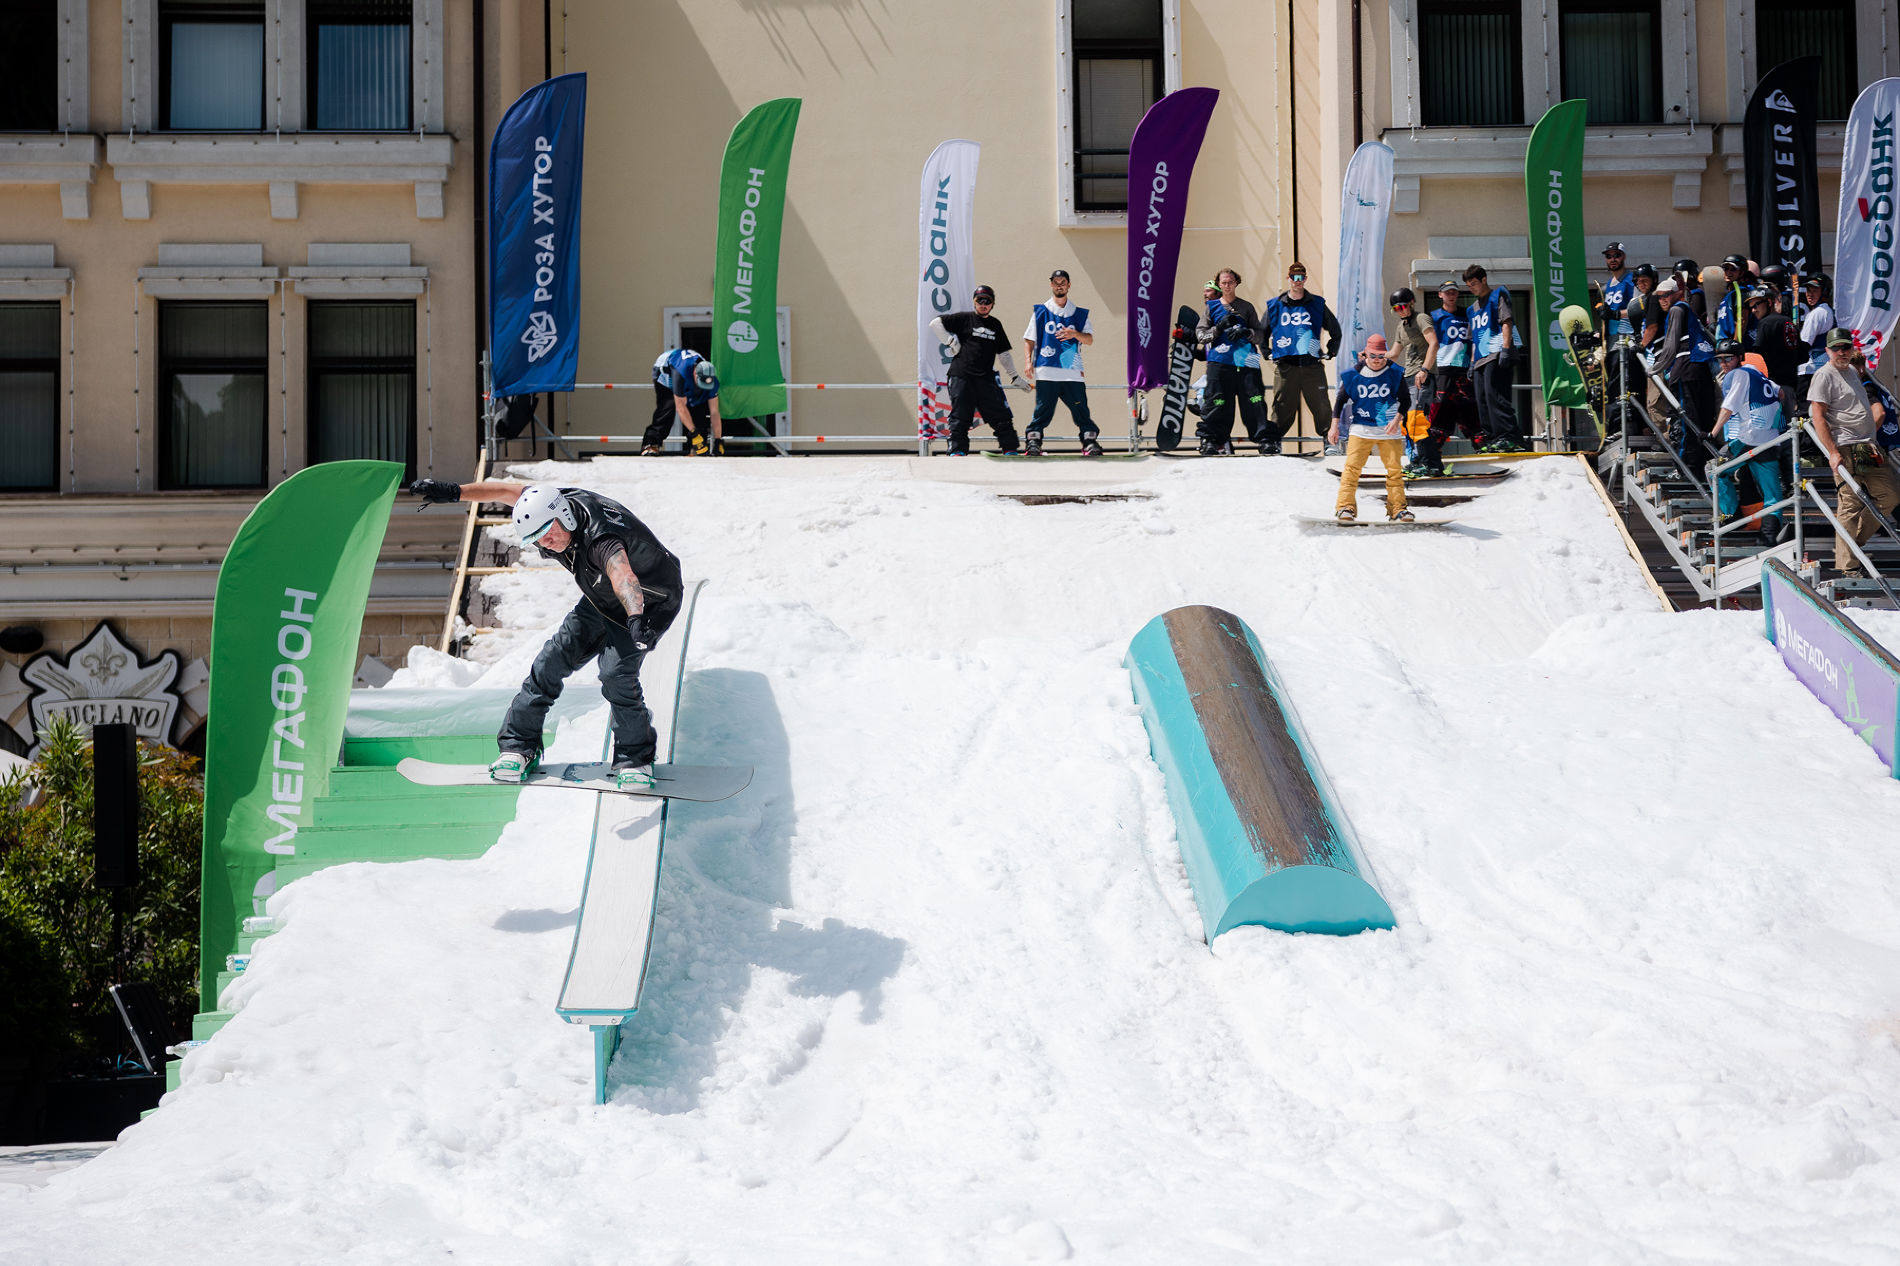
(671, 782)
(1381, 522)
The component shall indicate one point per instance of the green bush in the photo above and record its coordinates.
(56, 991)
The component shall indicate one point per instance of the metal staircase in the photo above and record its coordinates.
(1720, 562)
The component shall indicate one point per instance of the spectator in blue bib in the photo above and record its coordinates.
(1292, 324)
(1617, 293)
(1754, 411)
(1052, 344)
(1230, 334)
(1497, 344)
(1373, 401)
(686, 388)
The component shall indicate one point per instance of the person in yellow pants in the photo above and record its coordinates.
(1369, 413)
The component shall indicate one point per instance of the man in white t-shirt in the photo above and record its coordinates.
(1814, 329)
(1844, 419)
(1052, 344)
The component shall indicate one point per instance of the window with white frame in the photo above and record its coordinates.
(29, 396)
(1470, 68)
(1116, 66)
(1787, 29)
(360, 57)
(211, 67)
(1612, 58)
(29, 66)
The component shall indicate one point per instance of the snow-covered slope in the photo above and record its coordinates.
(933, 990)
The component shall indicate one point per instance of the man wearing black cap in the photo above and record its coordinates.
(1053, 342)
(977, 341)
(1617, 293)
(1688, 276)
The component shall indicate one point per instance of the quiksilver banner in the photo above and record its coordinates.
(284, 630)
(745, 267)
(946, 270)
(1864, 279)
(1160, 165)
(1553, 185)
(1365, 203)
(534, 238)
(1784, 196)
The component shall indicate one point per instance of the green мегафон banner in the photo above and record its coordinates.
(1553, 185)
(745, 267)
(284, 631)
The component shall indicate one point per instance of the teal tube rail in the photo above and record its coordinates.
(1260, 829)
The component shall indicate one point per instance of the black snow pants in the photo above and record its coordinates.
(584, 634)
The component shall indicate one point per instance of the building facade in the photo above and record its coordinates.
(241, 236)
(1053, 89)
(236, 238)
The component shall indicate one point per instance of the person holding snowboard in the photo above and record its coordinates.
(1448, 361)
(1372, 404)
(977, 341)
(1230, 335)
(685, 386)
(630, 593)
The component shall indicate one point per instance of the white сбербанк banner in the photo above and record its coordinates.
(1865, 284)
(946, 271)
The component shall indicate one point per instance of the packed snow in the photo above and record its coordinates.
(934, 989)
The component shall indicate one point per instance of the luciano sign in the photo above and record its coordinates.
(102, 682)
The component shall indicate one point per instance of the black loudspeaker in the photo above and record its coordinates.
(115, 806)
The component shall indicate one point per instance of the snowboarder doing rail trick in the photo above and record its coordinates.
(630, 592)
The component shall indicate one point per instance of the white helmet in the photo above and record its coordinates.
(705, 377)
(537, 509)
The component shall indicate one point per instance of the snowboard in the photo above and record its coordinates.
(1508, 459)
(1308, 520)
(1451, 475)
(671, 782)
(1180, 371)
(1066, 457)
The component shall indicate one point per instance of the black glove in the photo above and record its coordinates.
(436, 491)
(642, 640)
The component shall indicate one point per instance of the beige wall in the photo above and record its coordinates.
(881, 87)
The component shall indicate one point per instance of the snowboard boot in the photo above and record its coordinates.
(1006, 441)
(1270, 448)
(959, 445)
(697, 443)
(651, 450)
(1346, 514)
(514, 766)
(1227, 448)
(631, 777)
(1208, 448)
(1033, 448)
(1090, 448)
(1422, 470)
(1403, 516)
(1505, 444)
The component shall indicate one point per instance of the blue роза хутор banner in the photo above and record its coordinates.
(534, 238)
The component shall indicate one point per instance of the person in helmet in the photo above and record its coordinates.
(1229, 336)
(1643, 312)
(685, 387)
(1732, 320)
(1754, 410)
(975, 342)
(1688, 275)
(630, 592)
